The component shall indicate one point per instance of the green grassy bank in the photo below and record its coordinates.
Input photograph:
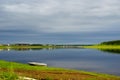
(15, 47)
(115, 44)
(11, 71)
(103, 46)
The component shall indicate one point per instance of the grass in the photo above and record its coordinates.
(11, 70)
(91, 79)
(8, 76)
(103, 46)
(15, 47)
(4, 64)
(99, 46)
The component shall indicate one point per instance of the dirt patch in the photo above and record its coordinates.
(58, 75)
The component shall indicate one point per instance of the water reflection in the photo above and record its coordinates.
(46, 48)
(116, 51)
(22, 49)
(77, 58)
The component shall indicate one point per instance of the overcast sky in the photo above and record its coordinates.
(59, 21)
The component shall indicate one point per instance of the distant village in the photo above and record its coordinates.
(24, 46)
(21, 44)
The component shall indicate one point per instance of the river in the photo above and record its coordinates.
(80, 59)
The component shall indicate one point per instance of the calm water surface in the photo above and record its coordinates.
(80, 59)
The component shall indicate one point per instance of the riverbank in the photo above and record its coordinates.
(106, 45)
(103, 47)
(49, 73)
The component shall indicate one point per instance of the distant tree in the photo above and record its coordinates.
(36, 44)
(115, 42)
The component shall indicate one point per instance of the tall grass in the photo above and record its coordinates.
(8, 75)
(103, 46)
(14, 65)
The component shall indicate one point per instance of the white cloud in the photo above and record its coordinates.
(73, 7)
(20, 8)
(62, 15)
(46, 8)
(106, 8)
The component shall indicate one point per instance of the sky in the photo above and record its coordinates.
(59, 21)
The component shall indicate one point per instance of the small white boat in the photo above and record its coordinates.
(37, 64)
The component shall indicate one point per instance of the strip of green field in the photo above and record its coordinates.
(11, 66)
(5, 64)
(103, 46)
(13, 47)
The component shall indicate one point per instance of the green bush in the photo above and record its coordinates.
(115, 42)
(8, 76)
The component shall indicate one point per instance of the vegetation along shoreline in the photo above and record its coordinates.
(12, 70)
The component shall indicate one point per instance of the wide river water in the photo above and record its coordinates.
(79, 59)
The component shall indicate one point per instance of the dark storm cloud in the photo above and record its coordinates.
(65, 21)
